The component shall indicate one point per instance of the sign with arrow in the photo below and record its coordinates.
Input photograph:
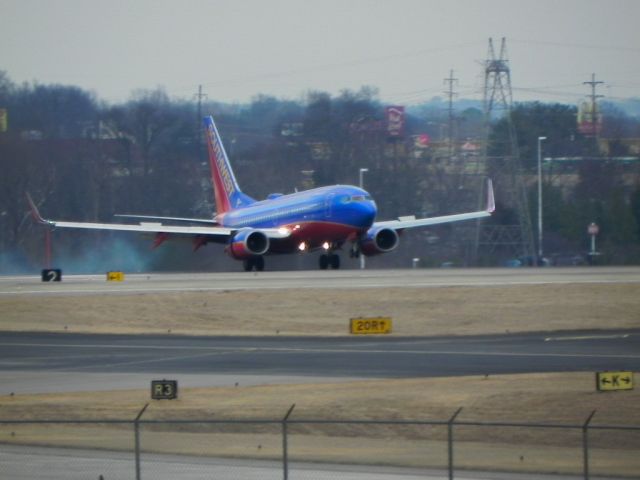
(115, 277)
(608, 381)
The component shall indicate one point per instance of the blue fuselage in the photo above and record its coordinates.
(314, 217)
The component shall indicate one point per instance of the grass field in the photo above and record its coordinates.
(415, 311)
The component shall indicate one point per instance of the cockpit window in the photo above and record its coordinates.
(360, 198)
(354, 198)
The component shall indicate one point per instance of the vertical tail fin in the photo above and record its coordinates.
(228, 195)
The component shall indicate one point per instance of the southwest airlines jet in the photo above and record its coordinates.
(324, 219)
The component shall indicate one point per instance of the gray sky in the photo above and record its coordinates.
(237, 49)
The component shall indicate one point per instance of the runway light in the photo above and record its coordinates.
(325, 245)
(302, 247)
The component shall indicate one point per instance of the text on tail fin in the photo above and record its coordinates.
(224, 183)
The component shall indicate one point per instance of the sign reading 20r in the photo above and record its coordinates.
(364, 326)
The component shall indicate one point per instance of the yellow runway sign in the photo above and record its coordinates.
(607, 381)
(115, 277)
(365, 326)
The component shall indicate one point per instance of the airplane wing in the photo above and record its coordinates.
(152, 227)
(171, 219)
(412, 222)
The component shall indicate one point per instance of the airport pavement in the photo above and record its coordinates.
(34, 362)
(41, 463)
(343, 279)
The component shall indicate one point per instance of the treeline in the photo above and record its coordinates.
(84, 159)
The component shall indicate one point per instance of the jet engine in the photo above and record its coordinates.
(379, 240)
(248, 243)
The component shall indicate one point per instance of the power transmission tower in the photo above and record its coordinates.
(504, 163)
(450, 94)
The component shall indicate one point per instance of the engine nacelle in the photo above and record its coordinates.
(248, 243)
(379, 240)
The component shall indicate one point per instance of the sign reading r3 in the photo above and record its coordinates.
(164, 389)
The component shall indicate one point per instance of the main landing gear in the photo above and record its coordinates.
(329, 260)
(254, 263)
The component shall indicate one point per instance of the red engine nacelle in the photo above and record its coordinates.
(248, 243)
(379, 240)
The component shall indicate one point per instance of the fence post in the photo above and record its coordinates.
(285, 446)
(450, 441)
(585, 444)
(136, 429)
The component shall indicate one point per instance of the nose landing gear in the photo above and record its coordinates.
(254, 263)
(329, 260)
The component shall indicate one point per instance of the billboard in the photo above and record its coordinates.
(3, 120)
(589, 119)
(395, 118)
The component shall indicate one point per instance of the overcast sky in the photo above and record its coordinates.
(237, 49)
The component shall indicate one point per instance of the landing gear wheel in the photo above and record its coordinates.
(329, 261)
(254, 263)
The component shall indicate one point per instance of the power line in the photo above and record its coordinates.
(577, 45)
(340, 65)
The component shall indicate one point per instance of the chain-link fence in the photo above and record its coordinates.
(310, 449)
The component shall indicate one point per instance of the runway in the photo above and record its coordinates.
(41, 362)
(342, 279)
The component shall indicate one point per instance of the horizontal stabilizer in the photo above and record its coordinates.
(221, 233)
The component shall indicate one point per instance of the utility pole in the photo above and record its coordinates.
(199, 96)
(450, 94)
(539, 259)
(594, 113)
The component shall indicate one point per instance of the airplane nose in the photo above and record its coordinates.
(368, 212)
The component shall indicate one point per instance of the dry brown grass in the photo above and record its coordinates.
(415, 311)
(543, 397)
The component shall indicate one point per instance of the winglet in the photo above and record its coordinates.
(35, 214)
(491, 201)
